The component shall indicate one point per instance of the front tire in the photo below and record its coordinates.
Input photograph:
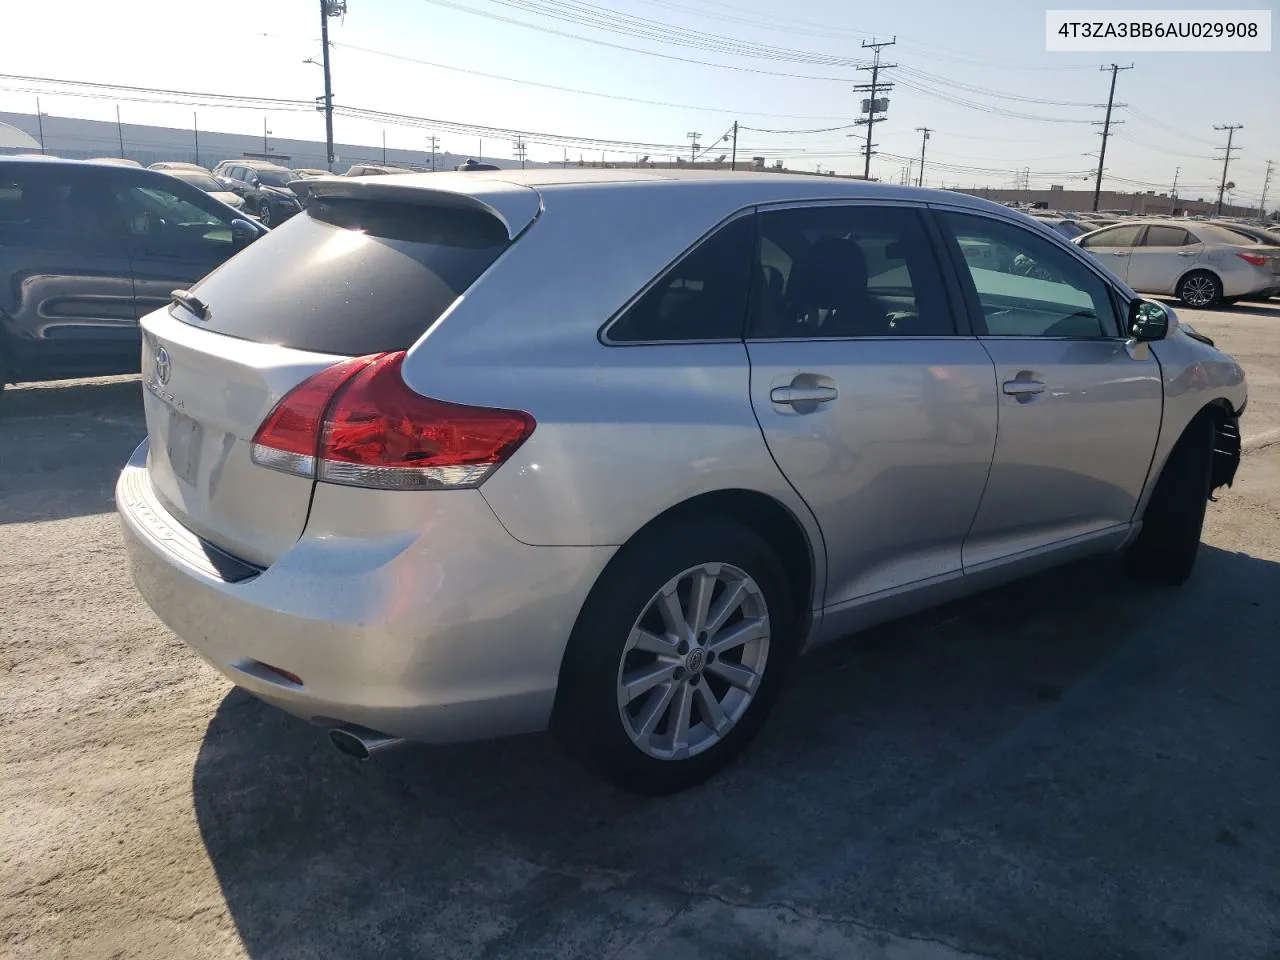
(1200, 289)
(678, 656)
(264, 214)
(1166, 548)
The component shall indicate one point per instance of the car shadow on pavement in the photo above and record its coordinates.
(74, 439)
(1035, 771)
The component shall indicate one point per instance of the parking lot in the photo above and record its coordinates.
(1072, 767)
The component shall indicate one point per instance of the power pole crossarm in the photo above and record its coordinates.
(1106, 129)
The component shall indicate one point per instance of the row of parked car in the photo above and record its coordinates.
(1200, 261)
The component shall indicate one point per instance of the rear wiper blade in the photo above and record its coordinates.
(193, 303)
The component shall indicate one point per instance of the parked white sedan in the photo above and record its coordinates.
(1199, 263)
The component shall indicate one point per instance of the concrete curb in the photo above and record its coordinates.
(1259, 441)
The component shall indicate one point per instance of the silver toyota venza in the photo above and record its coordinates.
(452, 456)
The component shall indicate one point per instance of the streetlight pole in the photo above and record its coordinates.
(40, 123)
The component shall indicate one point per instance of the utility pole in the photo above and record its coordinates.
(328, 8)
(480, 155)
(384, 147)
(432, 140)
(40, 123)
(120, 133)
(693, 146)
(195, 129)
(1173, 194)
(925, 131)
(520, 150)
(1106, 128)
(1231, 129)
(871, 106)
(265, 149)
(733, 160)
(1262, 204)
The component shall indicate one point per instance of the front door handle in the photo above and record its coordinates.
(794, 395)
(1022, 388)
(1120, 253)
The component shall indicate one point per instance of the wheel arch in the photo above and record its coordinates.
(1226, 447)
(1177, 286)
(759, 512)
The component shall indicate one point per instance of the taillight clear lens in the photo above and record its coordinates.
(288, 437)
(379, 433)
(357, 423)
(1257, 259)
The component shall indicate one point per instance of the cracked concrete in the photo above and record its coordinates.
(1070, 768)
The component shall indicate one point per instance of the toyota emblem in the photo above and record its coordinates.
(163, 365)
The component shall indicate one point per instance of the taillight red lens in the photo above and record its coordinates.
(379, 433)
(358, 423)
(1257, 259)
(288, 437)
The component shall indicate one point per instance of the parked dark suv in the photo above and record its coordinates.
(264, 186)
(86, 249)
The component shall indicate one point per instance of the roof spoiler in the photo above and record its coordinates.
(515, 206)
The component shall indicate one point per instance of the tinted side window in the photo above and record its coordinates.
(1164, 237)
(1115, 237)
(175, 222)
(1026, 286)
(847, 271)
(59, 207)
(703, 297)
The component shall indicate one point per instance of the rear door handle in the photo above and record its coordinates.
(794, 395)
(1121, 253)
(1022, 388)
(1186, 253)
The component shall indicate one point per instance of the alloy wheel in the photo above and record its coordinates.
(1198, 291)
(693, 661)
(264, 213)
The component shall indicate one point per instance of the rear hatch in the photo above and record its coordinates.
(367, 269)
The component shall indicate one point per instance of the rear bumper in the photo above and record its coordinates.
(440, 630)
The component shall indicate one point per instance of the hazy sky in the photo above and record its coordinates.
(990, 56)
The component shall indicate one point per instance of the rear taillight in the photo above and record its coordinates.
(358, 423)
(1257, 259)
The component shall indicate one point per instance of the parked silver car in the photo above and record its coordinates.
(459, 455)
(1199, 263)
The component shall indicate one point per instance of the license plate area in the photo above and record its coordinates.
(184, 440)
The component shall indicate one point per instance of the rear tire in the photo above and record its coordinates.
(1199, 289)
(626, 633)
(1166, 548)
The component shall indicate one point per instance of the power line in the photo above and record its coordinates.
(589, 93)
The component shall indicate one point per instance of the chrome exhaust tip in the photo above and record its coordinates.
(360, 743)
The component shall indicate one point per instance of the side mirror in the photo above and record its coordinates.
(243, 233)
(1148, 321)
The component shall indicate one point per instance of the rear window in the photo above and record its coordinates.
(351, 276)
(1216, 234)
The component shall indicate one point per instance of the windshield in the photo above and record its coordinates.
(275, 178)
(201, 181)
